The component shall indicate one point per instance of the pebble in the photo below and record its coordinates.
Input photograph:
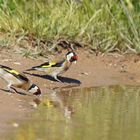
(33, 104)
(6, 60)
(15, 125)
(17, 63)
(85, 73)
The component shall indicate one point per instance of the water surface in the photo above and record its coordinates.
(106, 113)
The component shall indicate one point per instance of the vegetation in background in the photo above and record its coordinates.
(106, 25)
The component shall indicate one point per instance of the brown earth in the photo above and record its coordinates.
(90, 71)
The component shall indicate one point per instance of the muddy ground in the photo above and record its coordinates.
(90, 71)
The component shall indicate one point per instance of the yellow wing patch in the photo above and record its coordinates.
(48, 66)
(13, 71)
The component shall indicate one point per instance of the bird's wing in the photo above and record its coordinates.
(15, 73)
(50, 64)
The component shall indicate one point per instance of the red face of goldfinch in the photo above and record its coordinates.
(72, 57)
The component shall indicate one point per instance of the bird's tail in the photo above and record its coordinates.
(39, 66)
(31, 69)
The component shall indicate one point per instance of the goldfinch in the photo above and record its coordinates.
(18, 80)
(56, 68)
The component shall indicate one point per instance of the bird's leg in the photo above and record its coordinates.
(15, 91)
(11, 89)
(55, 77)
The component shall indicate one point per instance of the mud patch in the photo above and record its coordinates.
(90, 71)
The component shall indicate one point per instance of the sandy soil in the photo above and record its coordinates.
(90, 71)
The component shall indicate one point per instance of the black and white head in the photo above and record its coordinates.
(71, 56)
(34, 89)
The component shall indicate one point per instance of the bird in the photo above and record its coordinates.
(56, 68)
(16, 79)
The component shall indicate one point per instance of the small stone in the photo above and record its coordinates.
(17, 63)
(115, 65)
(85, 73)
(20, 106)
(19, 100)
(131, 78)
(15, 125)
(123, 71)
(6, 60)
(33, 104)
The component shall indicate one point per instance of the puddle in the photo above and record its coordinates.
(106, 113)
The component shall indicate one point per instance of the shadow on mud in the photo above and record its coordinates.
(62, 79)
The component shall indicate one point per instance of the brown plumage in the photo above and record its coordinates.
(56, 68)
(17, 80)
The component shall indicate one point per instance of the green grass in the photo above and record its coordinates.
(105, 25)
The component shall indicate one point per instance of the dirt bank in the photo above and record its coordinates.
(90, 71)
